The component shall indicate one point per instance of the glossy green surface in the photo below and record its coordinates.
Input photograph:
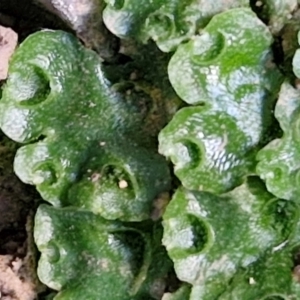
(87, 142)
(227, 72)
(279, 161)
(207, 148)
(210, 238)
(90, 133)
(87, 257)
(229, 68)
(168, 23)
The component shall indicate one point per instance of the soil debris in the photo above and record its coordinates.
(8, 43)
(12, 285)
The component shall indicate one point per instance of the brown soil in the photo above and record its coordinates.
(18, 202)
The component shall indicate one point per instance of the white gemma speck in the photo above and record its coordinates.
(38, 179)
(102, 144)
(251, 280)
(123, 184)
